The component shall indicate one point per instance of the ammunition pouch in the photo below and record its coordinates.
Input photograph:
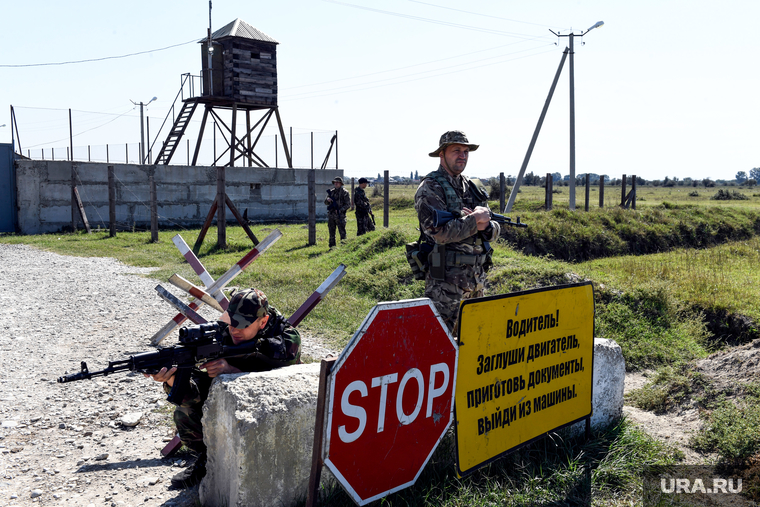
(417, 257)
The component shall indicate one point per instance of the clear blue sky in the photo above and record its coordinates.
(664, 88)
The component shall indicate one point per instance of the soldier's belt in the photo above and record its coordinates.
(459, 259)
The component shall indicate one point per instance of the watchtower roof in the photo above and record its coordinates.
(240, 28)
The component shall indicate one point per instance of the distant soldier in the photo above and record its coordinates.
(458, 256)
(363, 209)
(338, 201)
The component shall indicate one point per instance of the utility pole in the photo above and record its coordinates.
(571, 36)
(142, 127)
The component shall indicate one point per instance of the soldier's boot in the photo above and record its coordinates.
(192, 475)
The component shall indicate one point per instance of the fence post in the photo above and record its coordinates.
(622, 197)
(111, 202)
(601, 191)
(153, 207)
(588, 189)
(502, 191)
(108, 160)
(386, 201)
(353, 204)
(73, 199)
(312, 207)
(548, 201)
(633, 191)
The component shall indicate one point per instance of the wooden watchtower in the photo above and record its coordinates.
(241, 77)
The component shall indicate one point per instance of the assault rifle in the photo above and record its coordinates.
(199, 344)
(372, 215)
(334, 204)
(441, 217)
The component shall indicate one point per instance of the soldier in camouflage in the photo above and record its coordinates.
(461, 239)
(363, 209)
(338, 201)
(248, 317)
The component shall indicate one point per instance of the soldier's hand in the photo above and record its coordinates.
(218, 367)
(329, 200)
(482, 217)
(163, 375)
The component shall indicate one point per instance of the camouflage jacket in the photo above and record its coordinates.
(460, 234)
(341, 201)
(361, 202)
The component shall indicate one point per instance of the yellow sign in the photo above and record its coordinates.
(525, 368)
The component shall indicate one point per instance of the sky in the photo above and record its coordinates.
(664, 88)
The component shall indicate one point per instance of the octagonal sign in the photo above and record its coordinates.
(391, 399)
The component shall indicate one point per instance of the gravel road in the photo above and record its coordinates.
(93, 442)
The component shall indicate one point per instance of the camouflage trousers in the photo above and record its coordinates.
(363, 224)
(188, 416)
(461, 282)
(336, 220)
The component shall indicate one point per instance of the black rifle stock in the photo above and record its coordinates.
(199, 344)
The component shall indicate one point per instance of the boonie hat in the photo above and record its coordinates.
(363, 180)
(453, 137)
(338, 179)
(246, 306)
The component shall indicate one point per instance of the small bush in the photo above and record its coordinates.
(725, 195)
(731, 431)
(693, 193)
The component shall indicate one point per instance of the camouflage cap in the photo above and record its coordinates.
(363, 180)
(338, 179)
(246, 307)
(453, 137)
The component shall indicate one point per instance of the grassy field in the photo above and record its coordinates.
(671, 281)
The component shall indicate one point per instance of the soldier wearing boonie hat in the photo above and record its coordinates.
(249, 317)
(338, 202)
(363, 209)
(458, 249)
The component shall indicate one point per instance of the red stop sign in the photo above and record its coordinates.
(391, 399)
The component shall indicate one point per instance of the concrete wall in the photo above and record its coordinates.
(184, 194)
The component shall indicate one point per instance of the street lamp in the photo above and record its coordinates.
(572, 109)
(142, 128)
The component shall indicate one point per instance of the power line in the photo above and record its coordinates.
(328, 92)
(97, 59)
(468, 63)
(479, 14)
(434, 21)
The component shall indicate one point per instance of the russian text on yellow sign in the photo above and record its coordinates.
(525, 368)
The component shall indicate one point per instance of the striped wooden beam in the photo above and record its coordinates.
(179, 305)
(220, 283)
(199, 269)
(318, 295)
(195, 291)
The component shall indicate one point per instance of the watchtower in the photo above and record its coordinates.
(239, 73)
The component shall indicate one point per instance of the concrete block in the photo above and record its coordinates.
(180, 212)
(59, 171)
(52, 192)
(172, 174)
(55, 214)
(92, 173)
(280, 193)
(130, 174)
(203, 194)
(171, 192)
(259, 430)
(92, 193)
(608, 382)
